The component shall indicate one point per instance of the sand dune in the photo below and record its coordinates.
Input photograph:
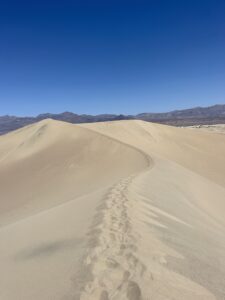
(117, 210)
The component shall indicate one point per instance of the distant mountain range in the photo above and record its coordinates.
(194, 116)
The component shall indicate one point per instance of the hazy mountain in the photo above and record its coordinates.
(194, 116)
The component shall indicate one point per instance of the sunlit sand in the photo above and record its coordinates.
(115, 210)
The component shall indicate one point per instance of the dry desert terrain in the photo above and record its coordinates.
(116, 210)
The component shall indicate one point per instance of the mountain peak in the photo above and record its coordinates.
(193, 116)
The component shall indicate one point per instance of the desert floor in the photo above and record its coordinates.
(115, 210)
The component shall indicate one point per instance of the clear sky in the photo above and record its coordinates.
(111, 56)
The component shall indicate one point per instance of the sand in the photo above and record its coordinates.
(113, 210)
(217, 128)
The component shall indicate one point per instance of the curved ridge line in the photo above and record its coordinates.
(90, 283)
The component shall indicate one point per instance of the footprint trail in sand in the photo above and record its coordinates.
(112, 262)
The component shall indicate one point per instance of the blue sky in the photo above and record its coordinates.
(111, 56)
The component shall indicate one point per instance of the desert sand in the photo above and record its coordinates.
(218, 128)
(116, 210)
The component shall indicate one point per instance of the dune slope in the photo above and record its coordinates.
(116, 210)
(52, 162)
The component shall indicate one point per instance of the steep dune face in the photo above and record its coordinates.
(117, 210)
(177, 211)
(51, 162)
(201, 152)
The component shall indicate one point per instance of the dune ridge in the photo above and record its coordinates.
(46, 160)
(118, 210)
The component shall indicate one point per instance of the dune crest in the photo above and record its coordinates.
(116, 210)
(52, 162)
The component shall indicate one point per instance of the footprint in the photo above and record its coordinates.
(133, 291)
(104, 295)
(113, 241)
(126, 275)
